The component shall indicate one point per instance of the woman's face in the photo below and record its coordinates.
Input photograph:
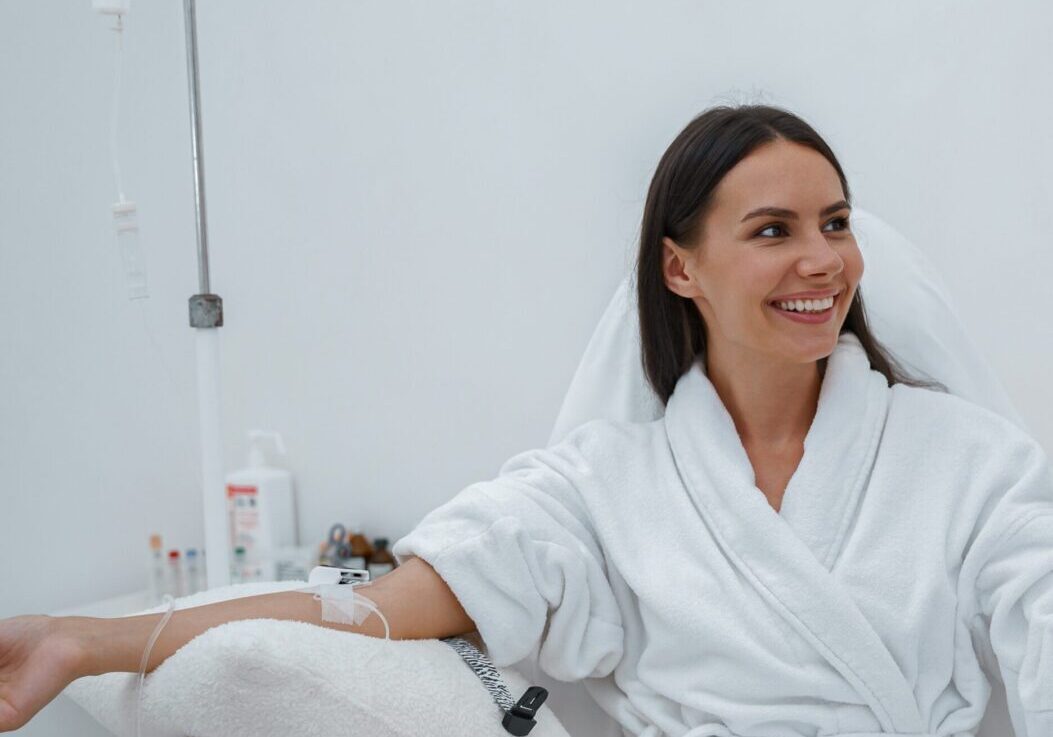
(747, 258)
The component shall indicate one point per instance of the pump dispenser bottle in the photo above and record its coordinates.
(261, 507)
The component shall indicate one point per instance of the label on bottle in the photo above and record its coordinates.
(243, 510)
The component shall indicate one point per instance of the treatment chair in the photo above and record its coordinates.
(270, 678)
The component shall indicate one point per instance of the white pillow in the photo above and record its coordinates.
(278, 678)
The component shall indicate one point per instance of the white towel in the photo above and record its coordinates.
(277, 678)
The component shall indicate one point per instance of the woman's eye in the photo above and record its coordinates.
(769, 227)
(843, 222)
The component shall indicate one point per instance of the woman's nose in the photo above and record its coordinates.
(821, 256)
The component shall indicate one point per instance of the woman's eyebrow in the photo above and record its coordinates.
(790, 214)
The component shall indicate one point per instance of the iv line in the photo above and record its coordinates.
(119, 28)
(146, 656)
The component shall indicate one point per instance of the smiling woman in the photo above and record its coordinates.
(835, 538)
(748, 260)
(839, 547)
(749, 207)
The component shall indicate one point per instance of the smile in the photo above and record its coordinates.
(805, 315)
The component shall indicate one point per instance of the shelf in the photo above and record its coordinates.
(117, 606)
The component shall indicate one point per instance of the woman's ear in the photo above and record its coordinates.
(674, 261)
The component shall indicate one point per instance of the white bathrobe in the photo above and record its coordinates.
(914, 541)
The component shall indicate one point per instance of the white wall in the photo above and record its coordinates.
(417, 212)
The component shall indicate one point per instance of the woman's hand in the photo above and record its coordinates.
(38, 659)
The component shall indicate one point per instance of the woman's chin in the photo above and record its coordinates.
(808, 350)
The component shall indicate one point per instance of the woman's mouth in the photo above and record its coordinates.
(807, 311)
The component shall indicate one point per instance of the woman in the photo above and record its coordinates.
(806, 543)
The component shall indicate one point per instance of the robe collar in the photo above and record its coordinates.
(839, 448)
(788, 555)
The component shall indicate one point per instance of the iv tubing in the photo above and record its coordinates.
(146, 657)
(119, 28)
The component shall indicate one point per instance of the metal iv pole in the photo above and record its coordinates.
(206, 317)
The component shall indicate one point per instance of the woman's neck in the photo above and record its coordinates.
(772, 405)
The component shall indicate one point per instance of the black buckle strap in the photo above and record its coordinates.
(520, 720)
(519, 717)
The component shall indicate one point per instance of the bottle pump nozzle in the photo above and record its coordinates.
(257, 458)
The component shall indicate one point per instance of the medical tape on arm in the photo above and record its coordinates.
(342, 604)
(340, 594)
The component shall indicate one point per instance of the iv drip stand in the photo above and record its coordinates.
(206, 317)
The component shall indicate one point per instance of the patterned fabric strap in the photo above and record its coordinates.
(482, 667)
(519, 716)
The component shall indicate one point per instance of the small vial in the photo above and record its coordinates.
(193, 572)
(237, 566)
(382, 561)
(176, 579)
(360, 548)
(158, 586)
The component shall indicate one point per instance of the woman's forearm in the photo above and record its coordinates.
(415, 601)
(118, 644)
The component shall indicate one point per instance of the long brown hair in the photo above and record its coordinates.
(680, 195)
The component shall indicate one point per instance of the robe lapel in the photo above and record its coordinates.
(788, 555)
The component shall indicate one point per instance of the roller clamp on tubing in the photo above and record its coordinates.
(519, 717)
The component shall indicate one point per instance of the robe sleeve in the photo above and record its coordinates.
(522, 557)
(1009, 606)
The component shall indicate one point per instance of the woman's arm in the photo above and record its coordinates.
(40, 656)
(1005, 580)
(416, 602)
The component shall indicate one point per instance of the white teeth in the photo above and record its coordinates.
(808, 305)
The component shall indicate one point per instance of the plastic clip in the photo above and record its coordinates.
(520, 719)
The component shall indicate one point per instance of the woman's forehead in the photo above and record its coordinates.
(780, 174)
